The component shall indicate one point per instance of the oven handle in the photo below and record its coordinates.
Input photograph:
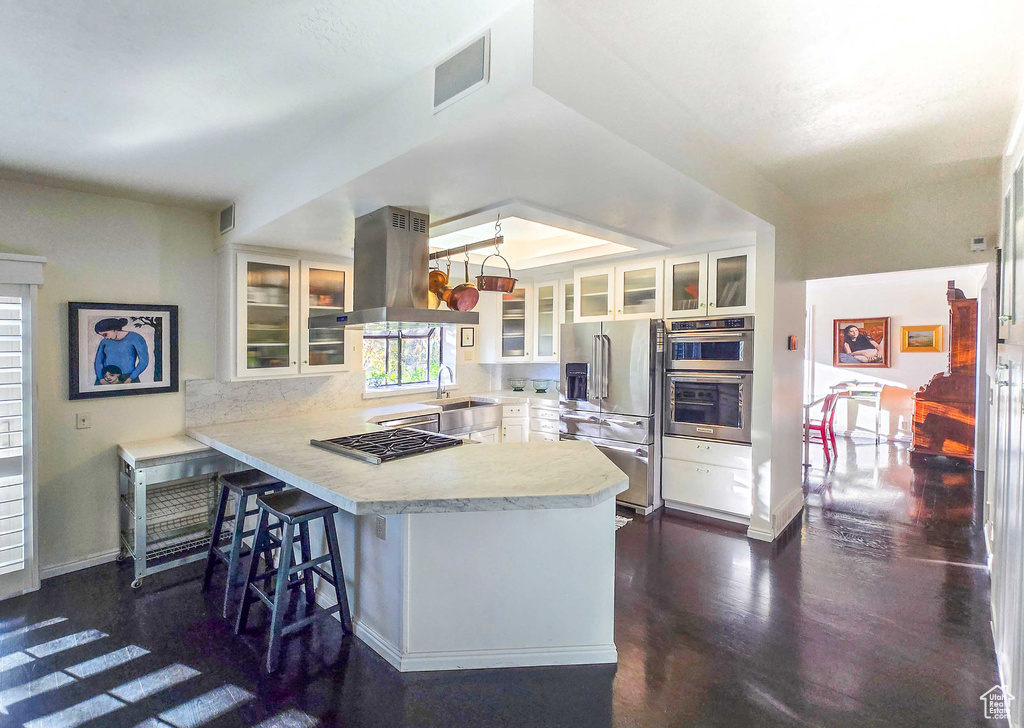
(706, 375)
(706, 336)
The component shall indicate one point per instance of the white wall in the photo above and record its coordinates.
(931, 225)
(912, 298)
(107, 250)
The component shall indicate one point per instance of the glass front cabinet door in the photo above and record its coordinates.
(267, 323)
(514, 324)
(566, 294)
(545, 322)
(326, 289)
(638, 290)
(593, 290)
(731, 282)
(686, 286)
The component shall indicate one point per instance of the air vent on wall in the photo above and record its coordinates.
(462, 73)
(419, 224)
(227, 218)
(398, 220)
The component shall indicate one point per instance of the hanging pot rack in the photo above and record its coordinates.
(467, 248)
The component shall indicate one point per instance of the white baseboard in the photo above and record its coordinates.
(103, 557)
(760, 534)
(787, 511)
(525, 657)
(474, 659)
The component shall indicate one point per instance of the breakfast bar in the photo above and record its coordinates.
(473, 556)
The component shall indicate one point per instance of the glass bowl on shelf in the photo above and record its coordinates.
(540, 386)
(518, 385)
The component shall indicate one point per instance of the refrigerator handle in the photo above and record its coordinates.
(606, 355)
(594, 385)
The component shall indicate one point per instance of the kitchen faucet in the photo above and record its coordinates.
(451, 380)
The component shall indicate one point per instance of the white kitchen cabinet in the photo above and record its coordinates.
(543, 437)
(545, 315)
(594, 291)
(567, 297)
(325, 289)
(266, 315)
(485, 436)
(710, 284)
(514, 431)
(638, 290)
(708, 489)
(686, 286)
(266, 300)
(506, 326)
(731, 282)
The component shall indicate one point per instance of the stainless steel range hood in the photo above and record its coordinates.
(390, 276)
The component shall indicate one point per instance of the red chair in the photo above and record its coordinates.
(822, 429)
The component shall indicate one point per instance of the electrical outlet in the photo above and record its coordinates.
(382, 528)
(83, 420)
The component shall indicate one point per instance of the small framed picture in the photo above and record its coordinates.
(921, 338)
(121, 349)
(467, 336)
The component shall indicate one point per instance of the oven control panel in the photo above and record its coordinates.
(738, 322)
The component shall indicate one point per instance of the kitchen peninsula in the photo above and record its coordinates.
(488, 555)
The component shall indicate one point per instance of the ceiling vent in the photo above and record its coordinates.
(227, 218)
(462, 73)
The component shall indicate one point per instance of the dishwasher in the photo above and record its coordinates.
(427, 423)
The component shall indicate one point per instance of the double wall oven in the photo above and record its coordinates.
(708, 378)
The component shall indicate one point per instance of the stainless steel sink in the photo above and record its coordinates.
(467, 414)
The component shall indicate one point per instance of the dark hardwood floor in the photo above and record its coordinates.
(871, 611)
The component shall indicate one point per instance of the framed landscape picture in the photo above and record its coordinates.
(921, 338)
(861, 342)
(121, 349)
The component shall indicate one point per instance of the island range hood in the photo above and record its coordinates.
(390, 275)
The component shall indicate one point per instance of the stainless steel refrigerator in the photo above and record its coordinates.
(610, 394)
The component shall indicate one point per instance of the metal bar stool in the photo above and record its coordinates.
(243, 485)
(293, 508)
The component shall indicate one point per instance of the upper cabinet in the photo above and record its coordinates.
(594, 292)
(731, 282)
(273, 297)
(326, 289)
(638, 290)
(568, 301)
(506, 331)
(686, 286)
(545, 321)
(710, 284)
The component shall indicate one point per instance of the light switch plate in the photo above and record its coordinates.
(382, 528)
(83, 420)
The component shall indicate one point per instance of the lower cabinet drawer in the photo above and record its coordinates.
(544, 413)
(515, 410)
(706, 486)
(712, 453)
(538, 425)
(543, 437)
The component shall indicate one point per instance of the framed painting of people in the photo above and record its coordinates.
(861, 342)
(121, 349)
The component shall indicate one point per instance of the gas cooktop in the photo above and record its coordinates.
(376, 447)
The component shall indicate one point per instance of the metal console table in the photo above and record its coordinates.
(168, 495)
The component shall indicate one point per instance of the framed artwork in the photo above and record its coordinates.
(861, 342)
(921, 338)
(121, 349)
(467, 336)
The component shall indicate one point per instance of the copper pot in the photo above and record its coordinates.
(464, 296)
(437, 283)
(498, 284)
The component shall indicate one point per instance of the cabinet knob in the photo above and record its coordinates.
(711, 304)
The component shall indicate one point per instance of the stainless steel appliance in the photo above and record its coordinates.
(427, 423)
(610, 395)
(390, 278)
(377, 447)
(708, 379)
(712, 344)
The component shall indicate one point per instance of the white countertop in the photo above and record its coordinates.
(145, 453)
(477, 477)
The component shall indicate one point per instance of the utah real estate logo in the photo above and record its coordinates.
(997, 703)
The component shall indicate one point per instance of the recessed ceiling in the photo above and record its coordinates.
(831, 99)
(528, 244)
